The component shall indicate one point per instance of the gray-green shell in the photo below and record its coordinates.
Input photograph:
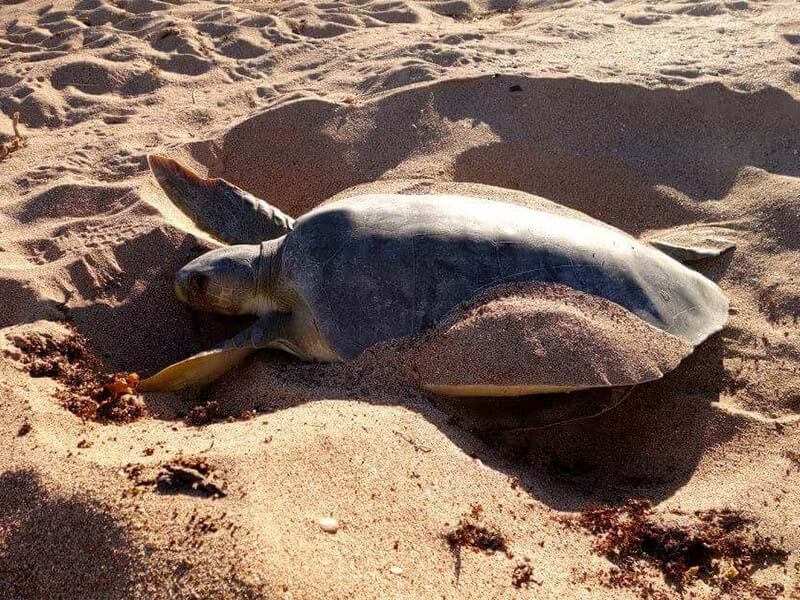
(385, 266)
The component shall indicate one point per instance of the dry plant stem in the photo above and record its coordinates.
(18, 142)
(15, 124)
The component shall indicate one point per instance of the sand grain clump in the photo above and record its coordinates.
(189, 476)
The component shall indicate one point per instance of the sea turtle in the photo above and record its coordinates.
(375, 267)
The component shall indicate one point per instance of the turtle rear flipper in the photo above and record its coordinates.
(689, 243)
(219, 207)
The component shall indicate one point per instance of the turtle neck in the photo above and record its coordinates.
(271, 292)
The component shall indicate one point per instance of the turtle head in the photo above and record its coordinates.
(225, 280)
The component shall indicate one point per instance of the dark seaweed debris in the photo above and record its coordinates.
(205, 413)
(716, 546)
(477, 537)
(522, 575)
(212, 411)
(470, 534)
(88, 392)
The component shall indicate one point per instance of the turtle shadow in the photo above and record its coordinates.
(647, 446)
(57, 547)
(714, 268)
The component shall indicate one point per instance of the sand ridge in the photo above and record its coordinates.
(646, 116)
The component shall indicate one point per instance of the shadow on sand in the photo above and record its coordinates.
(57, 547)
(647, 446)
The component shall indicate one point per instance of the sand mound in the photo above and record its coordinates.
(481, 130)
(546, 337)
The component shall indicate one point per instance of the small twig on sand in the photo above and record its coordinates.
(417, 447)
(18, 142)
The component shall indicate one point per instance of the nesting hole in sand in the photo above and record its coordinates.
(541, 136)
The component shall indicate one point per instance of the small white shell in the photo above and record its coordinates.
(395, 570)
(328, 524)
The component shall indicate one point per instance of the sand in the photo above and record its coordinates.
(543, 336)
(646, 116)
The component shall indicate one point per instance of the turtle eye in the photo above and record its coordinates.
(198, 282)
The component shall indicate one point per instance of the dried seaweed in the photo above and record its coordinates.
(719, 547)
(88, 391)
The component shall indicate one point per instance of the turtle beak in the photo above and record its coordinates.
(191, 286)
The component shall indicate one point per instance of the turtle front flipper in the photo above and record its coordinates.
(275, 330)
(219, 207)
(197, 370)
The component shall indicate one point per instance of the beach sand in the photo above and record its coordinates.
(643, 115)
